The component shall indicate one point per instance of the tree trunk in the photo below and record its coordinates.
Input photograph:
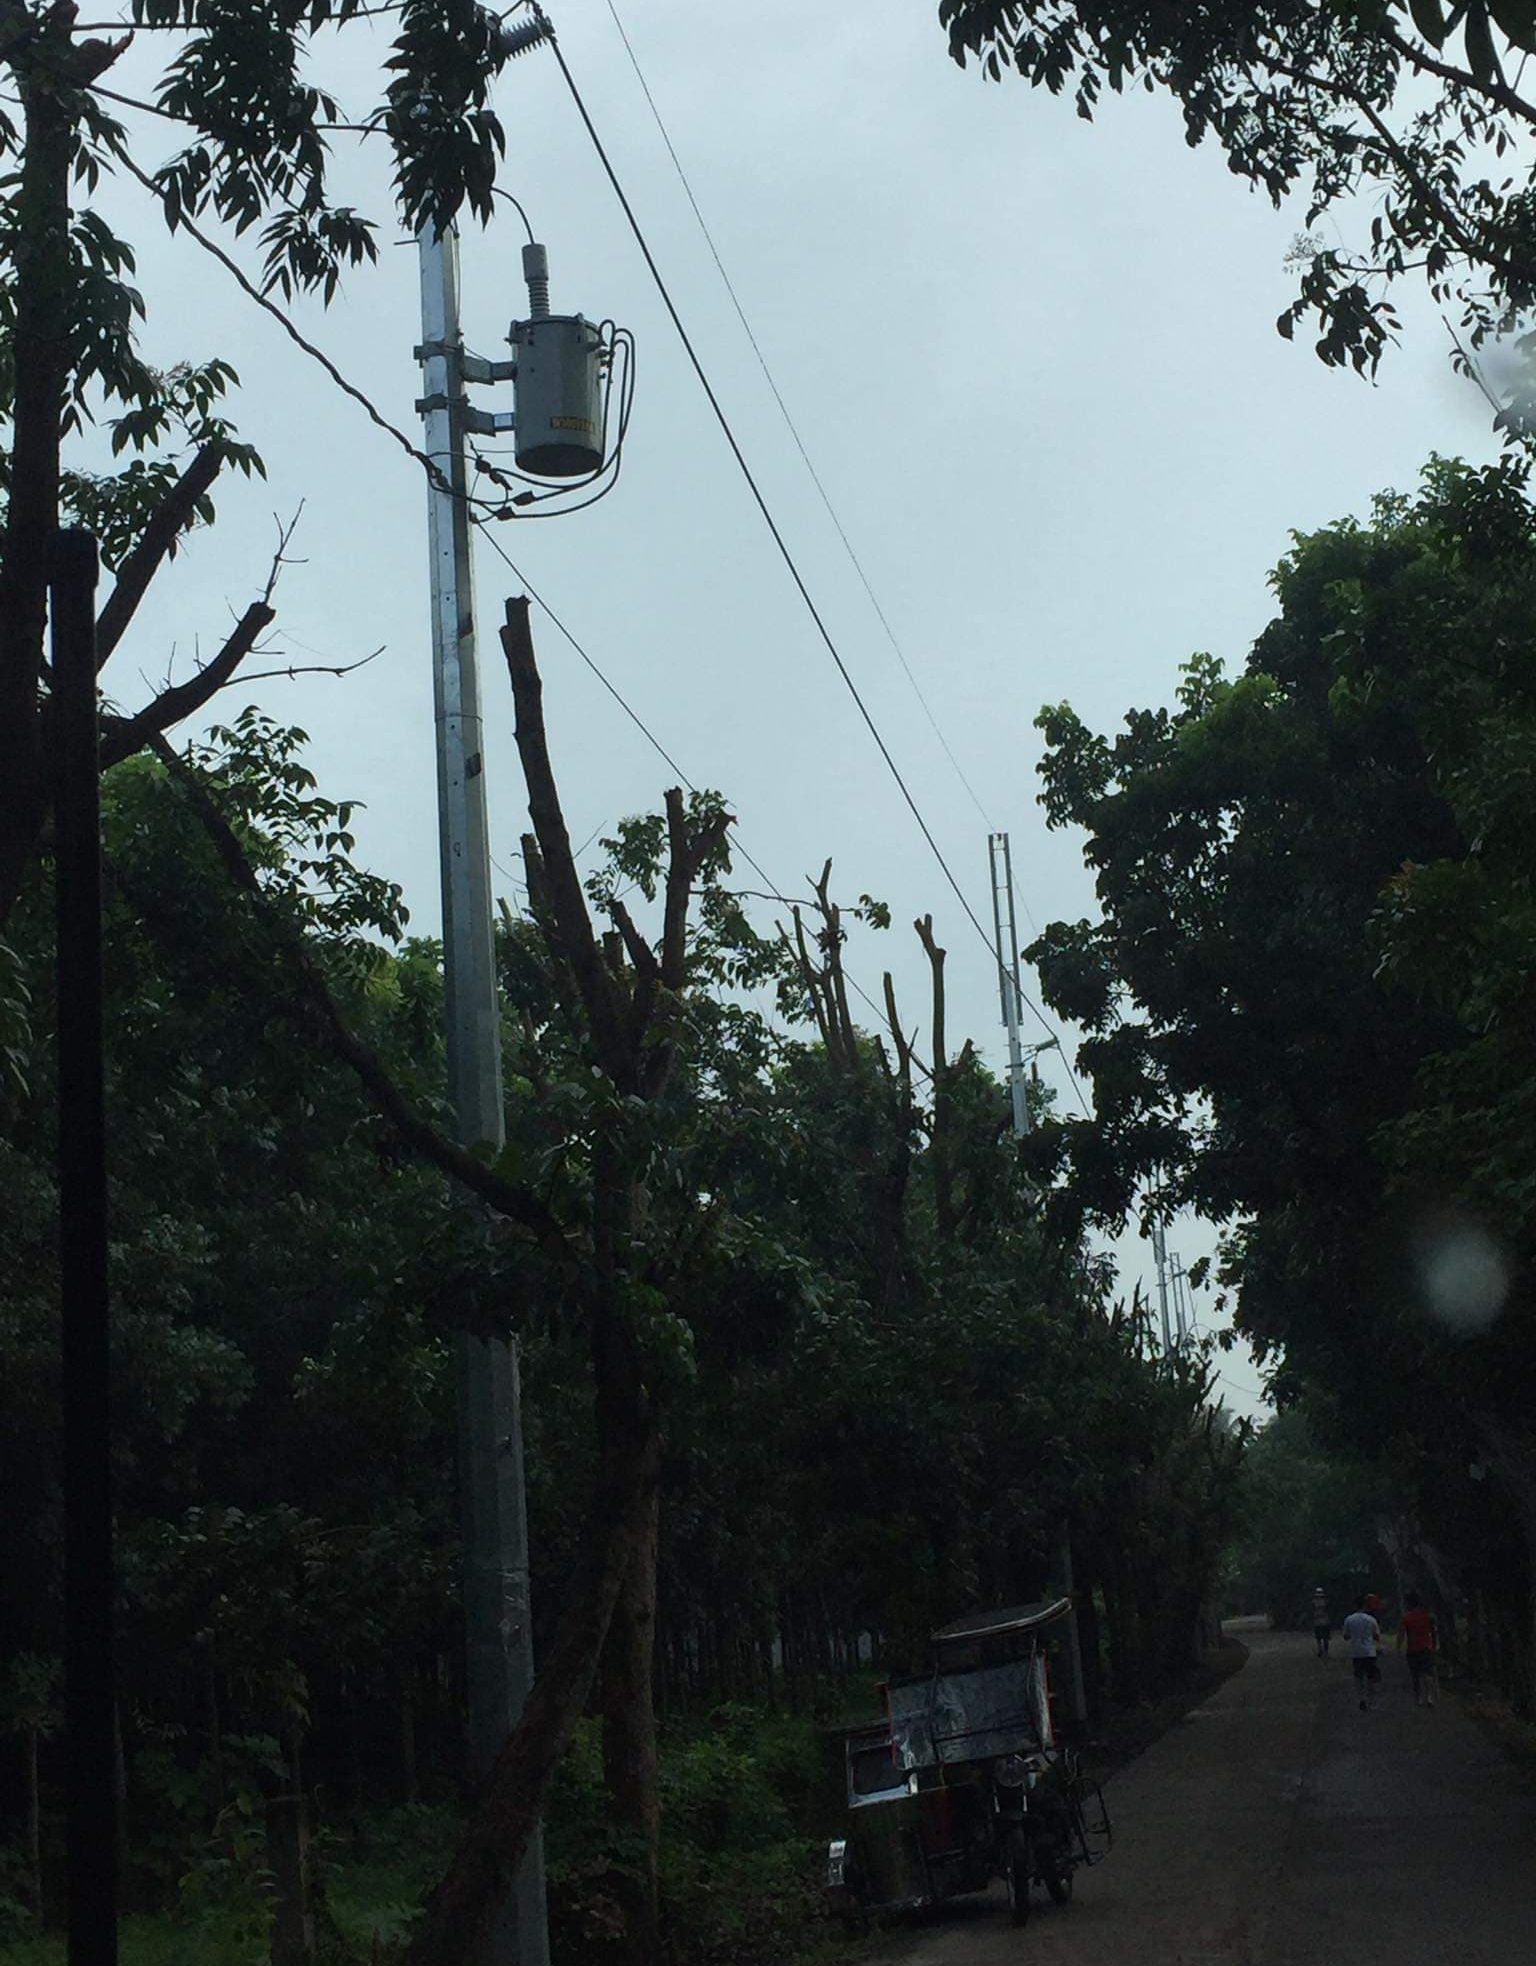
(42, 354)
(492, 1845)
(1515, 1458)
(629, 1732)
(120, 1787)
(34, 1829)
(409, 1766)
(1088, 1637)
(215, 1731)
(293, 1922)
(288, 1861)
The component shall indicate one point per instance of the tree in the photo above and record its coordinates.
(256, 154)
(1305, 1518)
(1403, 118)
(817, 1449)
(1308, 982)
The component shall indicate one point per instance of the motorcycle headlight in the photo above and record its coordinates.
(1011, 1772)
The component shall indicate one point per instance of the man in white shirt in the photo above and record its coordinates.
(1363, 1636)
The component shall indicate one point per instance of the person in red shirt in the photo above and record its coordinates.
(1416, 1634)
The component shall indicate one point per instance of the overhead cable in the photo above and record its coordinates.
(785, 554)
(658, 747)
(790, 424)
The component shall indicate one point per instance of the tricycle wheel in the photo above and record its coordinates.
(1016, 1869)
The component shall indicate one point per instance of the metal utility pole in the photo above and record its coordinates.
(1182, 1309)
(91, 1775)
(1008, 971)
(493, 1507)
(1160, 1259)
(1010, 994)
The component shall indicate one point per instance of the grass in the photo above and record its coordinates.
(212, 1941)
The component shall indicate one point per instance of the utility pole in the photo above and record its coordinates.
(1008, 971)
(492, 1499)
(1182, 1307)
(1160, 1259)
(1010, 992)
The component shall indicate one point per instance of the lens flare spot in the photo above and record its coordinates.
(1464, 1276)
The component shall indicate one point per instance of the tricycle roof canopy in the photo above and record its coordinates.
(1001, 1624)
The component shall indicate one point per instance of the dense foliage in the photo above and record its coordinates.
(1309, 1519)
(239, 130)
(1308, 996)
(884, 1387)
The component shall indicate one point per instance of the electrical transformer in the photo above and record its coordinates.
(559, 358)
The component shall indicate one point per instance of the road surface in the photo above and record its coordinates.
(1277, 1825)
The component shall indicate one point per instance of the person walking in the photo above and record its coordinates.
(1322, 1623)
(1416, 1634)
(1363, 1636)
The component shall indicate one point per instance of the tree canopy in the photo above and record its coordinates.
(252, 135)
(1402, 122)
(1307, 996)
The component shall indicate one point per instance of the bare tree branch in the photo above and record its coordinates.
(122, 736)
(935, 955)
(683, 858)
(307, 669)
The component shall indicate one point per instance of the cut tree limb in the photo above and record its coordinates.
(572, 924)
(154, 546)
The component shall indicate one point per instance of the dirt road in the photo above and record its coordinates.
(1277, 1825)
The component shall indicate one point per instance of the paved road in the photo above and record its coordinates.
(1277, 1825)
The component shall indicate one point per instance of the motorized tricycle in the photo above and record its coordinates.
(963, 1781)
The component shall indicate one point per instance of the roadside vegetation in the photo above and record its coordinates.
(815, 1352)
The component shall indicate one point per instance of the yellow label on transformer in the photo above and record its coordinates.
(570, 423)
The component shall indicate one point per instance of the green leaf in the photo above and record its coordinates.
(1517, 18)
(1429, 19)
(1481, 57)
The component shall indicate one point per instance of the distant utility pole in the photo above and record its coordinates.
(1003, 917)
(1010, 992)
(1160, 1259)
(492, 1501)
(1183, 1310)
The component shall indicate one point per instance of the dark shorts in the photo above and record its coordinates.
(1366, 1669)
(1320, 1632)
(1421, 1665)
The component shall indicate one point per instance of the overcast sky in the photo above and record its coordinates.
(1035, 364)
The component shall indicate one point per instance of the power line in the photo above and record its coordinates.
(779, 541)
(1249, 1392)
(789, 421)
(268, 305)
(628, 708)
(249, 288)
